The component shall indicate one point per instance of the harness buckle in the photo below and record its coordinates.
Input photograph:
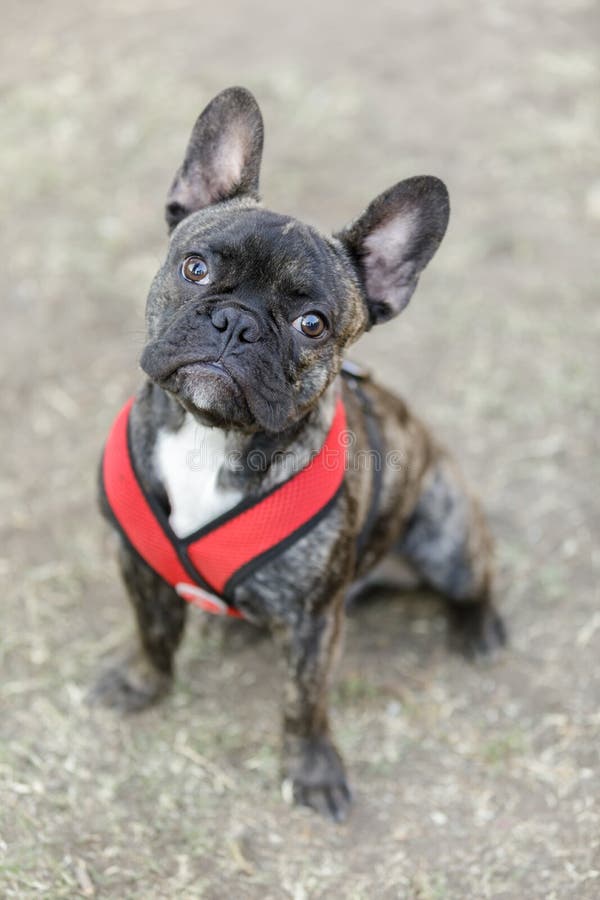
(207, 601)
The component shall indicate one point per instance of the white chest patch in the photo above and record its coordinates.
(188, 463)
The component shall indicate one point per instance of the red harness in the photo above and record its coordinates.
(205, 567)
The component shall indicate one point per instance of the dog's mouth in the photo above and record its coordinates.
(220, 391)
(174, 376)
(208, 390)
(203, 368)
(210, 377)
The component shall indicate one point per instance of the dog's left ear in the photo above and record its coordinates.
(394, 239)
(223, 156)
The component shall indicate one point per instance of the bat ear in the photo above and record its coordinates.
(394, 239)
(223, 156)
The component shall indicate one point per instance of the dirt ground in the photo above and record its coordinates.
(469, 782)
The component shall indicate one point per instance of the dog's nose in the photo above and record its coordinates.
(236, 323)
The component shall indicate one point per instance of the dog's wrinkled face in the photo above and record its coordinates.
(250, 314)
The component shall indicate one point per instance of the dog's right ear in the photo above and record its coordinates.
(223, 156)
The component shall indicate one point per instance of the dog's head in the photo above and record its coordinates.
(251, 312)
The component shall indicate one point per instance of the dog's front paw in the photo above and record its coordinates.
(476, 630)
(129, 686)
(314, 776)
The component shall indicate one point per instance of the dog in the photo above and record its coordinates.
(237, 480)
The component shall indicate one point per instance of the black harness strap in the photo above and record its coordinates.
(355, 376)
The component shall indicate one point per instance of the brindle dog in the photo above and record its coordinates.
(248, 320)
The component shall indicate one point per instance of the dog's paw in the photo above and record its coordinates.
(476, 631)
(129, 686)
(314, 776)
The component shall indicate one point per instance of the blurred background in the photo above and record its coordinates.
(468, 782)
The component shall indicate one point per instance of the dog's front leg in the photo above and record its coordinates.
(312, 768)
(144, 674)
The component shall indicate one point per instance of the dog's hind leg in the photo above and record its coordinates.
(447, 542)
(145, 674)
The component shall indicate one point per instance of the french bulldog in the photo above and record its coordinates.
(248, 320)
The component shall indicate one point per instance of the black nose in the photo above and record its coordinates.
(236, 323)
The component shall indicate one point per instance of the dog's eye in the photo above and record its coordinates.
(194, 269)
(311, 324)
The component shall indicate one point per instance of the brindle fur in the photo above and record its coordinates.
(271, 268)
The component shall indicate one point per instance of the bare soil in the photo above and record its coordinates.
(469, 782)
